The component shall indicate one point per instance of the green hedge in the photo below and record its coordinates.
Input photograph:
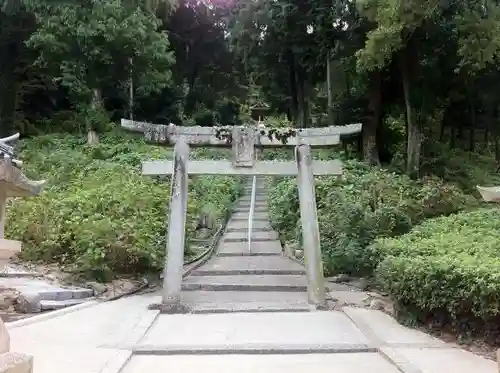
(447, 270)
(362, 205)
(98, 214)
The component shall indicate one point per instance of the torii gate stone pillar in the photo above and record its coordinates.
(243, 141)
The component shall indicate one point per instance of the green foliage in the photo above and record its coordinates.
(446, 270)
(205, 118)
(466, 169)
(98, 214)
(91, 44)
(365, 203)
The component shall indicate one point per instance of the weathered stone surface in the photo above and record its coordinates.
(97, 288)
(173, 267)
(439, 360)
(349, 298)
(46, 290)
(197, 135)
(249, 265)
(241, 248)
(338, 278)
(382, 327)
(254, 332)
(257, 216)
(317, 363)
(4, 338)
(8, 299)
(256, 236)
(29, 303)
(224, 167)
(109, 323)
(259, 199)
(251, 301)
(243, 140)
(309, 223)
(246, 283)
(48, 305)
(12, 362)
(246, 210)
(75, 358)
(259, 202)
(14, 183)
(242, 225)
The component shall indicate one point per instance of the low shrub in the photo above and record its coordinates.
(98, 213)
(446, 272)
(463, 168)
(363, 204)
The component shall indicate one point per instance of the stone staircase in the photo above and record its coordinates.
(237, 279)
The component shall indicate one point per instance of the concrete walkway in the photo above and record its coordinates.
(250, 314)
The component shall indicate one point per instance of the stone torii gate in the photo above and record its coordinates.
(244, 141)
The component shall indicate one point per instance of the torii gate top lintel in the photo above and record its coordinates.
(221, 136)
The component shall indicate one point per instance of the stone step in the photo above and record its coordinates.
(256, 236)
(258, 203)
(241, 248)
(321, 360)
(251, 301)
(246, 283)
(244, 272)
(246, 209)
(258, 197)
(65, 294)
(14, 362)
(45, 290)
(242, 225)
(13, 271)
(49, 305)
(244, 216)
(259, 332)
(259, 186)
(250, 265)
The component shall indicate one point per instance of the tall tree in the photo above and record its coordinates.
(88, 45)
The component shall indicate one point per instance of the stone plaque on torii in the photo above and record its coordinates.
(243, 141)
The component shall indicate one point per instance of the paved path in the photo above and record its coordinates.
(241, 321)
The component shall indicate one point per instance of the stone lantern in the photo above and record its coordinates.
(13, 183)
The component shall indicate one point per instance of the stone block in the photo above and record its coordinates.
(4, 338)
(12, 362)
(29, 303)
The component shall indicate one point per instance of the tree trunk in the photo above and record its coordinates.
(369, 132)
(8, 103)
(302, 85)
(453, 135)
(329, 73)
(131, 92)
(472, 137)
(414, 133)
(294, 108)
(442, 129)
(96, 106)
(191, 101)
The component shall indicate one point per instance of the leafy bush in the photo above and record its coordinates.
(205, 118)
(462, 168)
(363, 204)
(98, 214)
(446, 271)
